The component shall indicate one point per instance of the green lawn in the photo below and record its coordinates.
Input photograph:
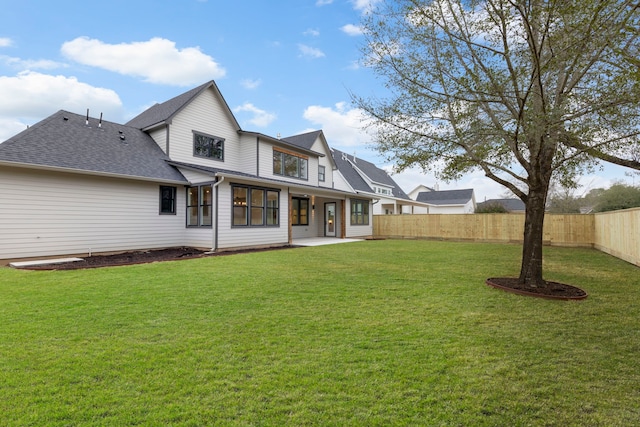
(375, 333)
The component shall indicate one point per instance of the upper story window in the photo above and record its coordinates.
(290, 164)
(321, 173)
(381, 190)
(208, 146)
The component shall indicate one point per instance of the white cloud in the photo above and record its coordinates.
(30, 64)
(352, 30)
(156, 61)
(33, 96)
(10, 127)
(311, 32)
(323, 2)
(260, 118)
(5, 42)
(250, 83)
(364, 5)
(310, 52)
(343, 127)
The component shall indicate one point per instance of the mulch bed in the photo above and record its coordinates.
(140, 257)
(550, 290)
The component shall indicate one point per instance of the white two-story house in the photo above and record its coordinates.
(182, 173)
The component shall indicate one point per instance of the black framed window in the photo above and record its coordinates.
(255, 207)
(321, 173)
(273, 207)
(299, 211)
(208, 146)
(359, 212)
(199, 206)
(291, 165)
(167, 200)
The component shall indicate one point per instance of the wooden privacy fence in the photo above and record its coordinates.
(616, 233)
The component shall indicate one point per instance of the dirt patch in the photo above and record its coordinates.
(550, 290)
(141, 257)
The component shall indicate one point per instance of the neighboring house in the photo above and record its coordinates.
(182, 173)
(413, 194)
(448, 201)
(362, 177)
(510, 205)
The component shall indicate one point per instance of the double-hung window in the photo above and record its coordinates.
(359, 212)
(199, 206)
(167, 200)
(255, 207)
(299, 211)
(208, 146)
(321, 173)
(290, 164)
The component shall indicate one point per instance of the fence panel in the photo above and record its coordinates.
(559, 230)
(616, 233)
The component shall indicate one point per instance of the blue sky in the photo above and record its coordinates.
(283, 66)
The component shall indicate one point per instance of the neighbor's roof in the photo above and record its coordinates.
(374, 173)
(64, 141)
(511, 205)
(446, 197)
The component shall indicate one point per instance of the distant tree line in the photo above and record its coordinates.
(618, 196)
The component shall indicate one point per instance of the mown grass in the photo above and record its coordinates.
(370, 333)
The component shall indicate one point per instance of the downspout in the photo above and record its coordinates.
(219, 181)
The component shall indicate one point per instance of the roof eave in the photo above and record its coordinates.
(90, 172)
(281, 142)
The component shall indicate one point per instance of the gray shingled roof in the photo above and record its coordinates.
(350, 174)
(213, 171)
(373, 172)
(511, 205)
(159, 113)
(304, 140)
(446, 197)
(63, 140)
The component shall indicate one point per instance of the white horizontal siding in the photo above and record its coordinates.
(320, 147)
(160, 137)
(48, 213)
(340, 183)
(358, 230)
(208, 115)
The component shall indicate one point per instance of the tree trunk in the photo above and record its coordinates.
(531, 269)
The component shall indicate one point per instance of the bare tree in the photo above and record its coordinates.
(525, 90)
